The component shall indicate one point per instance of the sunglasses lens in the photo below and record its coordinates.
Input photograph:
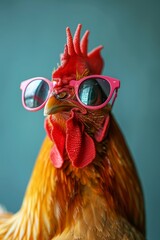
(94, 91)
(36, 93)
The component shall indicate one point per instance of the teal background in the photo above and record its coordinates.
(32, 35)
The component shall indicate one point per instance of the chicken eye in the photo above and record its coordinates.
(62, 95)
(91, 92)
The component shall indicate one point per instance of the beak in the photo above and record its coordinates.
(55, 105)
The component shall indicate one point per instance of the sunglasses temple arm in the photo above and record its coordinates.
(114, 97)
(22, 85)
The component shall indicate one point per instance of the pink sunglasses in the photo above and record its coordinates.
(93, 92)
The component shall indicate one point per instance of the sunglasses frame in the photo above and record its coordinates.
(114, 86)
(113, 82)
(25, 84)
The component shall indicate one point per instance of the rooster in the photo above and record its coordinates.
(84, 185)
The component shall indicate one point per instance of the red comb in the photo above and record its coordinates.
(76, 54)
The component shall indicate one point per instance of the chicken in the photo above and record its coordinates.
(84, 185)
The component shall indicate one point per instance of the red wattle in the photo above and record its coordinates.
(79, 145)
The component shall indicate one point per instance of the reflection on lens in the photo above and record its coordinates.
(36, 93)
(94, 91)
